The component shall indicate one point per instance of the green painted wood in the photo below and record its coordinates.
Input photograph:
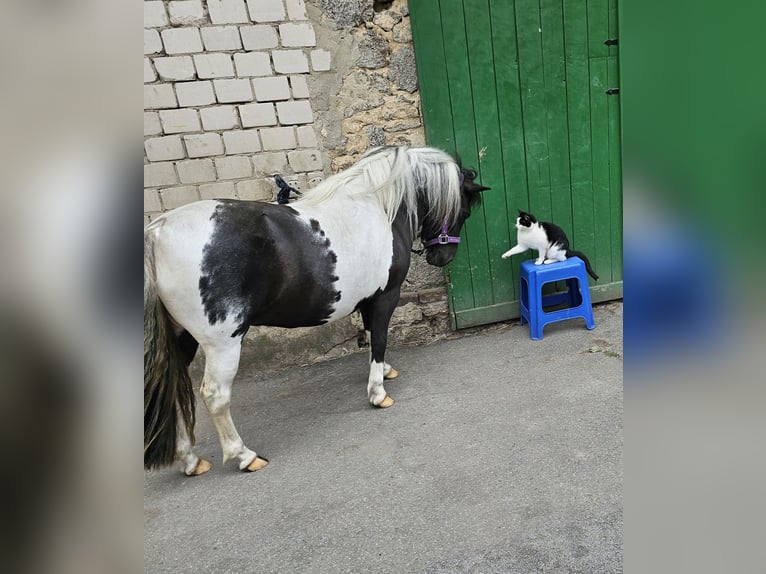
(517, 88)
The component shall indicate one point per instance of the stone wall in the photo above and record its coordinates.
(236, 90)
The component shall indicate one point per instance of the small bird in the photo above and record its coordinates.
(285, 190)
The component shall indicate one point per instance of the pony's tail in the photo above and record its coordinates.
(582, 256)
(168, 394)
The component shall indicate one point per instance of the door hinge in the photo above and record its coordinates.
(612, 42)
(612, 91)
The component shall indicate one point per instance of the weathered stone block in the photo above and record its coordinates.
(178, 121)
(349, 12)
(152, 200)
(152, 125)
(296, 9)
(256, 190)
(149, 74)
(196, 171)
(218, 118)
(220, 38)
(181, 40)
(164, 148)
(177, 196)
(296, 35)
(175, 68)
(253, 115)
(373, 51)
(267, 164)
(305, 160)
(157, 96)
(403, 32)
(402, 70)
(320, 60)
(271, 89)
(266, 10)
(253, 64)
(186, 13)
(195, 94)
(238, 90)
(159, 174)
(155, 15)
(152, 42)
(221, 190)
(299, 86)
(241, 141)
(277, 138)
(233, 167)
(292, 113)
(290, 61)
(306, 136)
(203, 145)
(214, 65)
(227, 11)
(259, 37)
(386, 19)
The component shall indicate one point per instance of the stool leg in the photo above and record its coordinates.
(524, 299)
(584, 291)
(535, 308)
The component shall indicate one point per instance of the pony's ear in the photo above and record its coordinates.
(482, 188)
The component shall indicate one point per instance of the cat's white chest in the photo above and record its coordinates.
(533, 237)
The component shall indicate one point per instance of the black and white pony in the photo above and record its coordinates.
(214, 268)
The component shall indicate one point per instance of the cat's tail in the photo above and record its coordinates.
(582, 256)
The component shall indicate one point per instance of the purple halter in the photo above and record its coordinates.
(444, 238)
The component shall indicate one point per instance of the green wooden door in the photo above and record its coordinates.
(518, 89)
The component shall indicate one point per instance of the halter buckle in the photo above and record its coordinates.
(443, 239)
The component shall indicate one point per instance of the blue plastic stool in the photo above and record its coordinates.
(532, 301)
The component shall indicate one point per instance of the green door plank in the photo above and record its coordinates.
(615, 147)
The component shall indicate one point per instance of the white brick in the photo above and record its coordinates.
(175, 68)
(214, 65)
(320, 60)
(259, 37)
(152, 42)
(219, 118)
(296, 9)
(157, 174)
(291, 113)
(220, 38)
(178, 121)
(241, 141)
(223, 190)
(233, 167)
(277, 138)
(306, 136)
(177, 196)
(270, 163)
(181, 40)
(305, 160)
(149, 75)
(253, 64)
(202, 145)
(300, 87)
(155, 15)
(195, 94)
(227, 11)
(266, 10)
(290, 61)
(271, 89)
(256, 190)
(159, 96)
(297, 34)
(196, 171)
(152, 125)
(164, 148)
(152, 200)
(257, 115)
(186, 13)
(233, 90)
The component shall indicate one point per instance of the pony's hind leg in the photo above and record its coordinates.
(221, 364)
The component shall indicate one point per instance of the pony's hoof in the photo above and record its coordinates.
(385, 403)
(392, 374)
(202, 467)
(257, 464)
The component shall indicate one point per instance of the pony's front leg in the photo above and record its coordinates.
(376, 317)
(221, 366)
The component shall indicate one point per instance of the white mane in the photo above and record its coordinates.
(395, 176)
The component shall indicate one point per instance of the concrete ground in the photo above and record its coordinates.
(501, 454)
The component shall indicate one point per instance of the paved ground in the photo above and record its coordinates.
(501, 454)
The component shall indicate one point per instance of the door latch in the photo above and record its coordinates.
(612, 91)
(612, 42)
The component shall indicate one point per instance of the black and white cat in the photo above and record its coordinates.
(548, 239)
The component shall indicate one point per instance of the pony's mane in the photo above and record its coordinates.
(395, 176)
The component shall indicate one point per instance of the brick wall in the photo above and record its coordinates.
(226, 101)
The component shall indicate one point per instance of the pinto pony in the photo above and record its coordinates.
(214, 268)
